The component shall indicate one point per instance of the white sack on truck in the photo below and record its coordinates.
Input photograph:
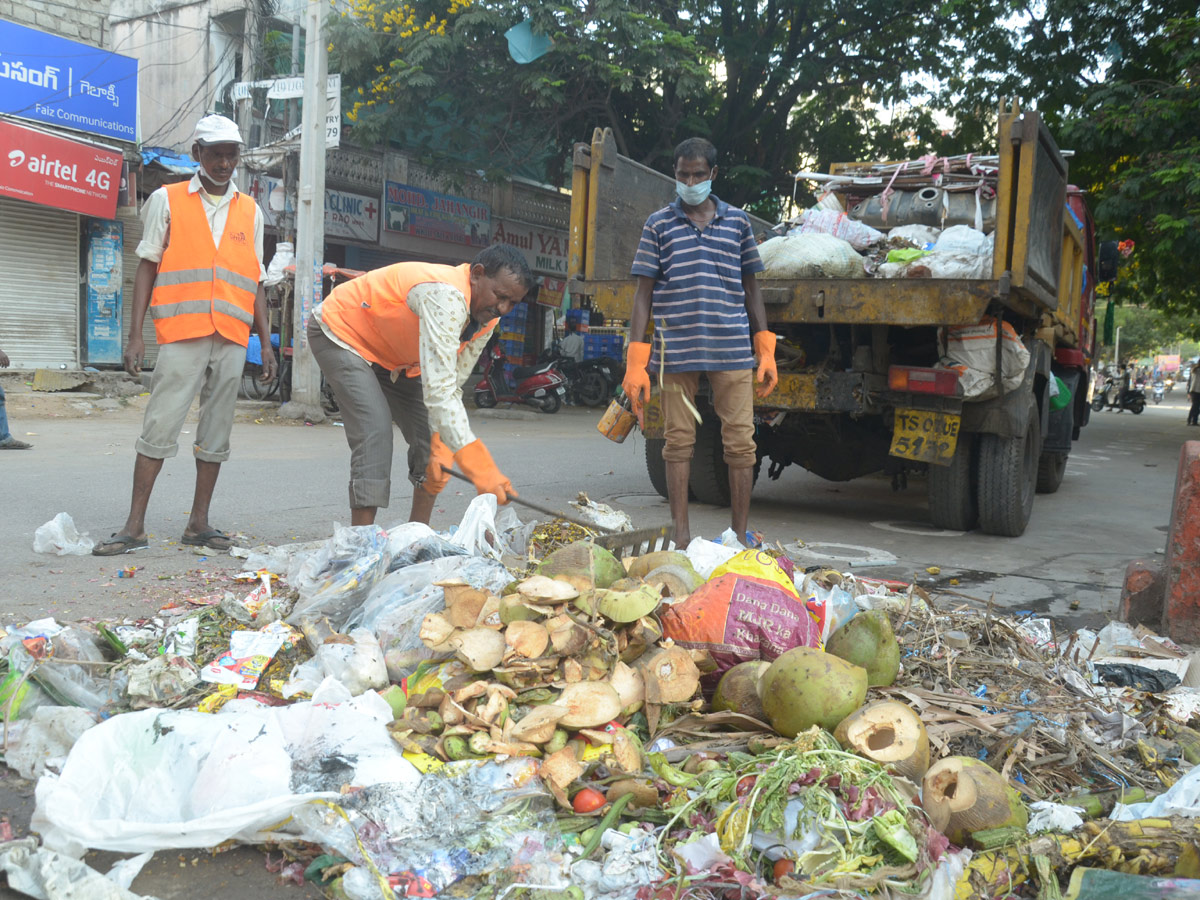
(810, 256)
(961, 252)
(970, 350)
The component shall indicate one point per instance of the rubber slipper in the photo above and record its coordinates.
(117, 544)
(213, 539)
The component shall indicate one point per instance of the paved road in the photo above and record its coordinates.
(287, 482)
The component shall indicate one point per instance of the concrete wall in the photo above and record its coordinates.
(188, 54)
(86, 23)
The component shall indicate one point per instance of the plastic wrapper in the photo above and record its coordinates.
(358, 665)
(1180, 799)
(46, 738)
(397, 605)
(827, 221)
(810, 256)
(1048, 816)
(180, 778)
(161, 681)
(630, 864)
(334, 580)
(832, 606)
(69, 685)
(38, 872)
(601, 514)
(488, 819)
(60, 536)
(249, 654)
(277, 559)
(737, 618)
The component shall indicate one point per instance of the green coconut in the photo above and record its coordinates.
(648, 562)
(738, 690)
(583, 559)
(806, 687)
(624, 606)
(963, 795)
(867, 640)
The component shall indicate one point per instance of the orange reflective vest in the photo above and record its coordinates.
(371, 314)
(202, 288)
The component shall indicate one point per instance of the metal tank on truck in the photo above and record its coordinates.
(964, 357)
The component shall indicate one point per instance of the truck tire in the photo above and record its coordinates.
(709, 481)
(953, 498)
(1007, 479)
(656, 467)
(1051, 468)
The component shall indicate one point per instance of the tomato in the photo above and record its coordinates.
(588, 800)
(784, 867)
(745, 785)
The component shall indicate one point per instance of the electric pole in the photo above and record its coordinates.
(310, 218)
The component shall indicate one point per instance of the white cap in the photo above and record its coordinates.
(217, 130)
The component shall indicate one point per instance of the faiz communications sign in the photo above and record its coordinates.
(54, 171)
(46, 78)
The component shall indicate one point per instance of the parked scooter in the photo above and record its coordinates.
(1157, 394)
(1133, 400)
(542, 386)
(590, 382)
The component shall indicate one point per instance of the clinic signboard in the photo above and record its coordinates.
(56, 81)
(53, 171)
(440, 217)
(347, 215)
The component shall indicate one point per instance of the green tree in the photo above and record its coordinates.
(1140, 149)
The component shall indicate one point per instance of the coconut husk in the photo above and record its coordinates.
(561, 768)
(546, 591)
(588, 704)
(482, 649)
(888, 733)
(463, 603)
(436, 631)
(671, 676)
(566, 636)
(963, 795)
(630, 687)
(537, 727)
(528, 639)
(583, 560)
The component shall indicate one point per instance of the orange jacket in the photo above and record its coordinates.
(201, 288)
(371, 314)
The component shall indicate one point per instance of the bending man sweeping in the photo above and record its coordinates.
(396, 345)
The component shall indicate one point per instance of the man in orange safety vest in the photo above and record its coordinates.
(200, 279)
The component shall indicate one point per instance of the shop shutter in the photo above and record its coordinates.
(132, 224)
(39, 293)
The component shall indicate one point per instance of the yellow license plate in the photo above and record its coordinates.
(925, 436)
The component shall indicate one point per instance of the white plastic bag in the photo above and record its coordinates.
(1180, 799)
(47, 738)
(181, 778)
(487, 530)
(960, 252)
(705, 556)
(358, 666)
(41, 873)
(60, 536)
(810, 256)
(285, 255)
(923, 237)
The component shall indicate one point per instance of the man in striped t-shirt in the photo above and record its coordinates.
(695, 268)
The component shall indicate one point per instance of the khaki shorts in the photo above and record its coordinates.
(733, 401)
(209, 365)
(370, 402)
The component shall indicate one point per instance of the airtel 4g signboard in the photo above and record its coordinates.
(54, 171)
(46, 78)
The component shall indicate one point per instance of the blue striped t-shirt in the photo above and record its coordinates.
(698, 303)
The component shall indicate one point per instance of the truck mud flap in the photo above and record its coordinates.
(1061, 424)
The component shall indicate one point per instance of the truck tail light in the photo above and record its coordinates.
(916, 380)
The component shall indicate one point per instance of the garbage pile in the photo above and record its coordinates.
(510, 710)
(928, 218)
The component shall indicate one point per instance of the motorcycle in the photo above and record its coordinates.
(590, 382)
(1157, 394)
(542, 386)
(1113, 397)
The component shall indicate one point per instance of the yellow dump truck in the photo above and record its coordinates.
(864, 385)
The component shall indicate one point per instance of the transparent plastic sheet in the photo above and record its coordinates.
(38, 872)
(415, 542)
(47, 738)
(277, 559)
(181, 778)
(487, 530)
(60, 536)
(473, 818)
(397, 605)
(334, 580)
(69, 685)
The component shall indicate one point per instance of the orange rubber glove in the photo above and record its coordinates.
(477, 463)
(637, 380)
(440, 459)
(767, 375)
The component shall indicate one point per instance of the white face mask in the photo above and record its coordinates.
(693, 194)
(217, 181)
